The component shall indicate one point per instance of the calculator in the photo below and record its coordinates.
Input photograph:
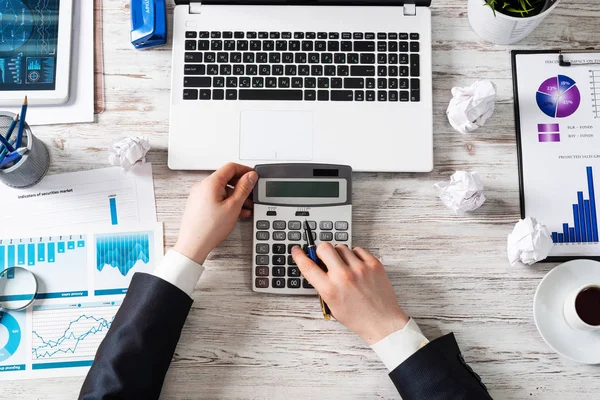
(284, 197)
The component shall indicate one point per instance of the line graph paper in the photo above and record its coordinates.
(70, 333)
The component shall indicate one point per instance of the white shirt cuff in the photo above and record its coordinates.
(179, 270)
(394, 349)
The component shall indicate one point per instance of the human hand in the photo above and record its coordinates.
(213, 208)
(356, 289)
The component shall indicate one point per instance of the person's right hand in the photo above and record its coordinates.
(213, 208)
(356, 289)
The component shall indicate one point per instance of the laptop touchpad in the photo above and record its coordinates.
(276, 135)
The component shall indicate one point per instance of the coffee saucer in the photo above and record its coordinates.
(578, 346)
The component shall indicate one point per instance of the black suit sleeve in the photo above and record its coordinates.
(133, 358)
(438, 372)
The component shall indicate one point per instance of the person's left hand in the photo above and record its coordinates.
(213, 209)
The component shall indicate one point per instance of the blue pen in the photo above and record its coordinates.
(5, 143)
(22, 123)
(312, 254)
(11, 157)
(11, 127)
(4, 151)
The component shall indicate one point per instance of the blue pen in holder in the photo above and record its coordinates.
(148, 23)
(26, 169)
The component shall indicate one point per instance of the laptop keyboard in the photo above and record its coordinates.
(302, 66)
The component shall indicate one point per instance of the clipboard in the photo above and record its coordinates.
(557, 117)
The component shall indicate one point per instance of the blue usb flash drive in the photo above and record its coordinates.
(148, 23)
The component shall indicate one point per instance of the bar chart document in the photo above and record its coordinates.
(82, 278)
(58, 262)
(98, 197)
(559, 123)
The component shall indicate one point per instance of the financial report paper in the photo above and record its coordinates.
(559, 118)
(83, 235)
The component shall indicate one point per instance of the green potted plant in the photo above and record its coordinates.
(508, 21)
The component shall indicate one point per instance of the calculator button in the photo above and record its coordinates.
(341, 236)
(271, 213)
(341, 225)
(278, 283)
(293, 272)
(294, 225)
(306, 284)
(279, 248)
(262, 271)
(278, 260)
(326, 236)
(277, 235)
(291, 261)
(262, 260)
(294, 235)
(291, 246)
(262, 235)
(279, 225)
(278, 271)
(314, 236)
(262, 283)
(293, 283)
(312, 225)
(262, 248)
(263, 225)
(326, 225)
(302, 214)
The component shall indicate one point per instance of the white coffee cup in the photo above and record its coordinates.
(572, 316)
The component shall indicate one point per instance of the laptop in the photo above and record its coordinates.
(321, 81)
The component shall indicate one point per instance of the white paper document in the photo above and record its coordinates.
(83, 275)
(80, 107)
(559, 118)
(102, 196)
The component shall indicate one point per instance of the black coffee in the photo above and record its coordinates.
(587, 305)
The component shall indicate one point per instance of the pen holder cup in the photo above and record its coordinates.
(32, 166)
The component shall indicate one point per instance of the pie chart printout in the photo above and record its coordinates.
(558, 97)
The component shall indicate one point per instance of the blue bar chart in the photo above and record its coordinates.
(59, 265)
(118, 257)
(585, 222)
(114, 218)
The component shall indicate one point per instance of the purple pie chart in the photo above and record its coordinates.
(558, 97)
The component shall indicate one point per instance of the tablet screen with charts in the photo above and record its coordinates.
(35, 42)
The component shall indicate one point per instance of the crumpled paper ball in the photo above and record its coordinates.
(463, 193)
(126, 152)
(471, 106)
(529, 242)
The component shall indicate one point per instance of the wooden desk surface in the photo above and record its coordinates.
(450, 273)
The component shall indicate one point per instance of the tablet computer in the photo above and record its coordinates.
(35, 51)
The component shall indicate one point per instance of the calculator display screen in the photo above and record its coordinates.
(296, 189)
(28, 44)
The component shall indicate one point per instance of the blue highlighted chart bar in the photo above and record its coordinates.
(21, 254)
(41, 252)
(51, 252)
(585, 219)
(31, 254)
(61, 247)
(11, 256)
(114, 219)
